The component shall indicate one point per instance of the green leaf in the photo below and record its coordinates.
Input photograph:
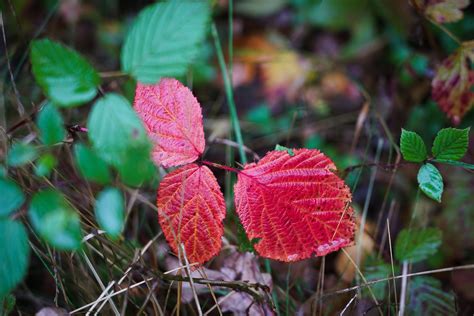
(283, 148)
(451, 143)
(456, 163)
(163, 40)
(417, 244)
(51, 125)
(45, 165)
(14, 254)
(54, 220)
(11, 197)
(64, 75)
(21, 154)
(427, 297)
(7, 305)
(110, 211)
(259, 8)
(430, 181)
(114, 128)
(137, 167)
(412, 146)
(91, 166)
(376, 269)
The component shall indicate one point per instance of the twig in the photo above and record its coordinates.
(403, 293)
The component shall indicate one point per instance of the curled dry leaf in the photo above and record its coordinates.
(451, 87)
(295, 205)
(191, 208)
(442, 11)
(173, 119)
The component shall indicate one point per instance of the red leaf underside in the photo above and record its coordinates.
(451, 87)
(191, 208)
(173, 120)
(295, 205)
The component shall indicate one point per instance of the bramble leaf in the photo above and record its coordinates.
(45, 165)
(415, 245)
(191, 208)
(114, 127)
(110, 211)
(451, 87)
(451, 143)
(164, 39)
(427, 297)
(412, 146)
(442, 11)
(64, 75)
(11, 197)
(15, 253)
(51, 125)
(91, 166)
(21, 154)
(54, 220)
(296, 205)
(430, 181)
(173, 120)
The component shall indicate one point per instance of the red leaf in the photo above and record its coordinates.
(295, 204)
(191, 208)
(173, 120)
(451, 87)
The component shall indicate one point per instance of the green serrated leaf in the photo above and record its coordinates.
(51, 125)
(412, 146)
(283, 148)
(90, 165)
(137, 166)
(164, 40)
(114, 128)
(430, 181)
(14, 254)
(110, 211)
(427, 297)
(21, 154)
(54, 220)
(11, 197)
(415, 245)
(45, 165)
(376, 269)
(456, 163)
(451, 143)
(64, 75)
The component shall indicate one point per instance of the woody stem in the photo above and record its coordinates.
(219, 166)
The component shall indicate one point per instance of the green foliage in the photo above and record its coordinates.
(430, 181)
(113, 128)
(412, 146)
(21, 154)
(51, 125)
(64, 75)
(283, 148)
(45, 165)
(90, 165)
(164, 40)
(11, 197)
(451, 144)
(415, 245)
(7, 305)
(14, 254)
(428, 298)
(110, 210)
(259, 8)
(118, 137)
(54, 220)
(376, 269)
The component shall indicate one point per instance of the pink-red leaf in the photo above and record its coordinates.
(295, 205)
(191, 209)
(173, 119)
(451, 87)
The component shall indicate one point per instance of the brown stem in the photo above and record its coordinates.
(219, 166)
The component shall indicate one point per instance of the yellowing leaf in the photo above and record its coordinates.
(451, 87)
(442, 11)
